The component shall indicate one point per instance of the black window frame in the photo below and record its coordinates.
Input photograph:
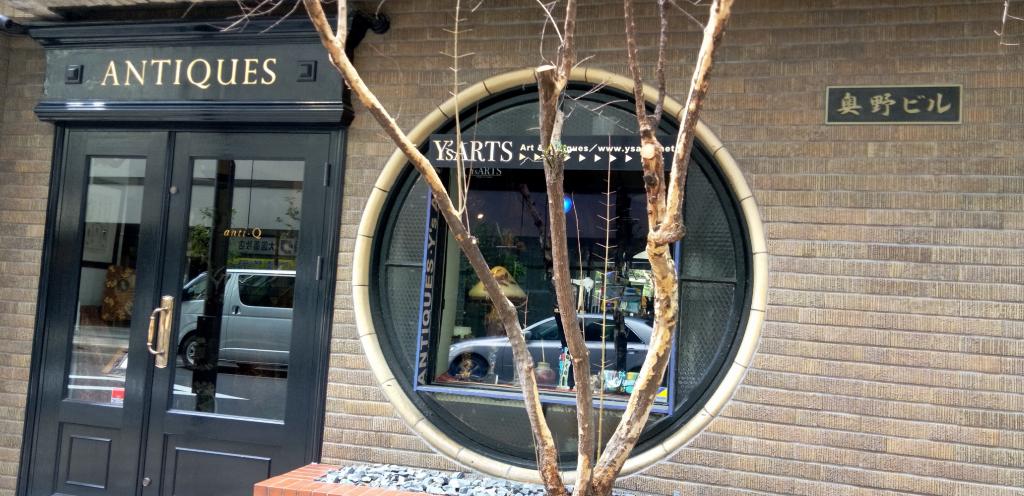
(659, 427)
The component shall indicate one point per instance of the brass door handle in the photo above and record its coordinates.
(166, 311)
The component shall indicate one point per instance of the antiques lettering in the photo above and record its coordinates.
(201, 73)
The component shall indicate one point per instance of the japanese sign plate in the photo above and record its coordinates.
(892, 104)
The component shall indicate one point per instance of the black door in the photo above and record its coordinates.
(231, 228)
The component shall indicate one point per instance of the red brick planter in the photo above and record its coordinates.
(300, 482)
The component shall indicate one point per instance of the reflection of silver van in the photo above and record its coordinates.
(544, 342)
(256, 324)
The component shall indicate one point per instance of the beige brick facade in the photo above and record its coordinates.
(25, 149)
(892, 359)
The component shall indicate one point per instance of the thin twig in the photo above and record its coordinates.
(660, 66)
(551, 19)
(544, 445)
(1001, 33)
(687, 14)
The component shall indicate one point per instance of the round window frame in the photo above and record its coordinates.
(370, 225)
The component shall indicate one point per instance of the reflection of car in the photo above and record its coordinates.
(256, 321)
(544, 343)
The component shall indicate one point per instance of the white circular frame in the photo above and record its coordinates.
(361, 277)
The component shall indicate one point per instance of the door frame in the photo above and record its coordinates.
(321, 328)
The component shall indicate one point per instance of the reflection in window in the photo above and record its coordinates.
(712, 260)
(266, 291)
(508, 216)
(235, 328)
(106, 286)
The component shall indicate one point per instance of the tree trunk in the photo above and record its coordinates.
(665, 227)
(664, 211)
(546, 452)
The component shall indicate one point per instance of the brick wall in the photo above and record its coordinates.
(892, 359)
(25, 149)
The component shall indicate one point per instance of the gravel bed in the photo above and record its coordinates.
(431, 481)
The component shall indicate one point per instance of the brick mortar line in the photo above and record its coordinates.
(840, 360)
(871, 191)
(888, 400)
(885, 312)
(815, 482)
(813, 446)
(851, 326)
(886, 245)
(852, 278)
(866, 223)
(876, 175)
(846, 377)
(894, 347)
(856, 468)
(939, 425)
(926, 229)
(687, 483)
(911, 299)
(897, 280)
(764, 203)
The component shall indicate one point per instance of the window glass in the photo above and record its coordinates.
(547, 330)
(596, 330)
(235, 326)
(266, 291)
(195, 290)
(508, 216)
(106, 284)
(437, 329)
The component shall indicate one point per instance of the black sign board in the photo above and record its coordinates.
(271, 71)
(523, 152)
(193, 73)
(893, 104)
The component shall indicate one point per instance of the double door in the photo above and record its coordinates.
(186, 312)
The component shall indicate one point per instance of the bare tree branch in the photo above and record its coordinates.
(551, 84)
(651, 150)
(547, 454)
(342, 31)
(664, 209)
(462, 185)
(720, 12)
(567, 53)
(1007, 17)
(551, 19)
(659, 69)
(664, 229)
(687, 14)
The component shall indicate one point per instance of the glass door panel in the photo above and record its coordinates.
(107, 276)
(245, 237)
(101, 280)
(238, 285)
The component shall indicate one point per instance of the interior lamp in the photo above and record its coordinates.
(509, 288)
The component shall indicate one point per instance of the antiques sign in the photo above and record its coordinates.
(892, 104)
(259, 72)
(488, 155)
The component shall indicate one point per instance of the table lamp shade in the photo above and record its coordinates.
(508, 285)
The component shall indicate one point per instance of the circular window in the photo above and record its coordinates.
(430, 336)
